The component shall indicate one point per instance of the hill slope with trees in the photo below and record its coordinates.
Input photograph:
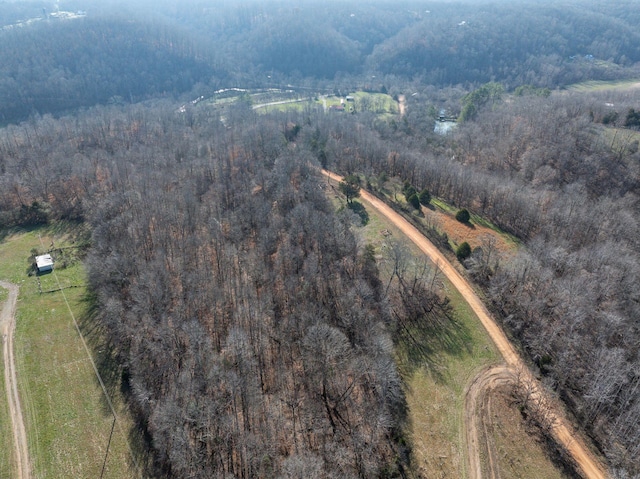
(546, 170)
(129, 53)
(251, 330)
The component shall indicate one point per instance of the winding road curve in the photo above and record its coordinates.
(7, 328)
(476, 405)
(562, 430)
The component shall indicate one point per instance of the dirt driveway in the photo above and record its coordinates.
(562, 432)
(7, 328)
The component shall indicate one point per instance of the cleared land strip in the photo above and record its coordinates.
(562, 431)
(95, 370)
(7, 328)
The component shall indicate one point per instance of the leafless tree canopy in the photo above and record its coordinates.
(253, 330)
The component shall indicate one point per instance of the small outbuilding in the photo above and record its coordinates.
(44, 263)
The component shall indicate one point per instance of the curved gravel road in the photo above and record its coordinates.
(562, 432)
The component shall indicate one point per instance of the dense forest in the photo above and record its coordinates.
(253, 333)
(64, 65)
(132, 52)
(252, 330)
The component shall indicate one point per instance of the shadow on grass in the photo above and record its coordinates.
(116, 381)
(429, 206)
(427, 342)
(469, 225)
(6, 232)
(75, 230)
(359, 209)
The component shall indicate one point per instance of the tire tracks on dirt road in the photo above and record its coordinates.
(476, 405)
(7, 328)
(562, 431)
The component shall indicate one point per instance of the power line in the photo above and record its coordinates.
(106, 454)
(95, 369)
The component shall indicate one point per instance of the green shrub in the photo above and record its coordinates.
(424, 197)
(414, 201)
(463, 216)
(409, 191)
(463, 251)
(359, 209)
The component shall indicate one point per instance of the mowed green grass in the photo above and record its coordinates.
(67, 419)
(379, 103)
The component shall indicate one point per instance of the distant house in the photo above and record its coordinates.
(336, 108)
(350, 98)
(44, 263)
(444, 116)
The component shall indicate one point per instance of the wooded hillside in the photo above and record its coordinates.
(548, 171)
(253, 334)
(121, 53)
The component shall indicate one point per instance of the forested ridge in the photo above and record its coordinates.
(132, 52)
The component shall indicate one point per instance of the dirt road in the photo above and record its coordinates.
(476, 412)
(7, 327)
(275, 103)
(402, 104)
(562, 432)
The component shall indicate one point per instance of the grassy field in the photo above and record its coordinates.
(620, 139)
(67, 418)
(379, 103)
(516, 458)
(298, 106)
(595, 85)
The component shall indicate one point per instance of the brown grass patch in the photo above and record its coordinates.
(472, 233)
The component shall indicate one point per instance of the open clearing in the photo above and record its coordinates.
(474, 233)
(437, 377)
(292, 98)
(595, 85)
(67, 421)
